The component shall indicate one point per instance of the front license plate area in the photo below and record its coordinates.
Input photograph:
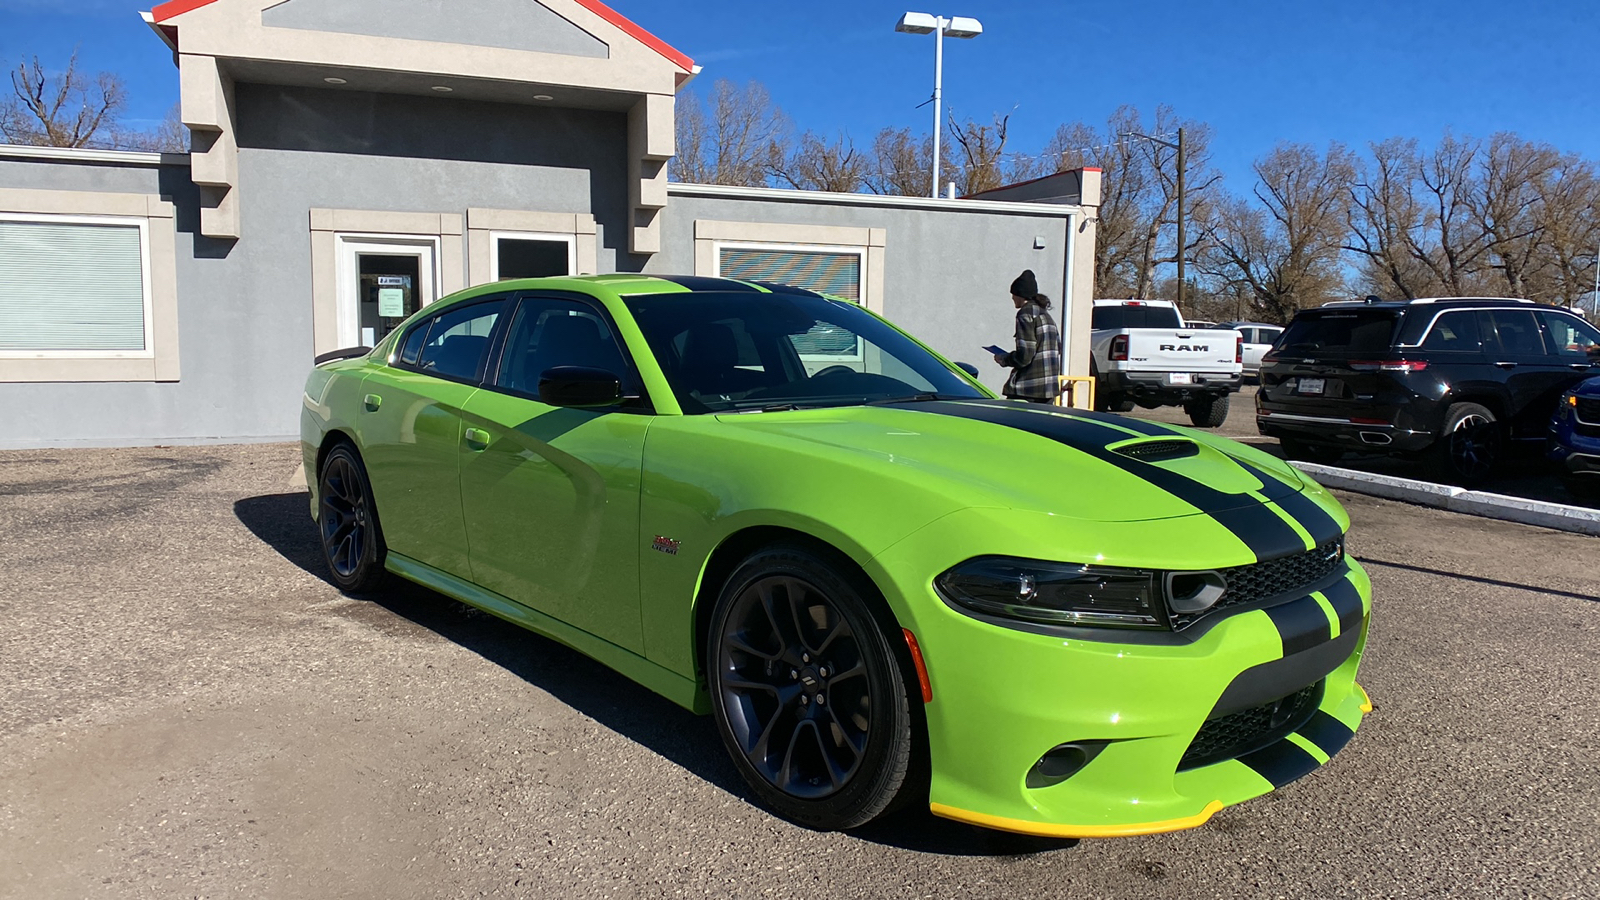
(1179, 378)
(1311, 386)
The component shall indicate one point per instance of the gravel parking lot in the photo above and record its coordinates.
(191, 710)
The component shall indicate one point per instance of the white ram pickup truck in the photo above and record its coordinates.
(1144, 355)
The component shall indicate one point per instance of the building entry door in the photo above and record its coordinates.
(381, 282)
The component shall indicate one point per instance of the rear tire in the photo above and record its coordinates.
(1321, 454)
(1469, 447)
(1209, 411)
(806, 692)
(347, 522)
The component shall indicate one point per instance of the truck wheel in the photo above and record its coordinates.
(1468, 449)
(1208, 412)
(1113, 403)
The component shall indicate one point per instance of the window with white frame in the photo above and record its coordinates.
(827, 270)
(521, 254)
(75, 286)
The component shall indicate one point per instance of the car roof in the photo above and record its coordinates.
(1250, 325)
(1426, 301)
(631, 284)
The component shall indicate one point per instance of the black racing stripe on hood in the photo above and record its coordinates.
(1280, 763)
(1139, 425)
(1311, 516)
(1265, 532)
(1346, 603)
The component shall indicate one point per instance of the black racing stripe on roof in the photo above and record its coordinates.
(1265, 532)
(1312, 517)
(702, 283)
(1346, 603)
(1280, 763)
(1329, 734)
(780, 288)
(1301, 624)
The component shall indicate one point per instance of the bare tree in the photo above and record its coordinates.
(981, 150)
(1570, 216)
(900, 163)
(819, 164)
(1282, 251)
(730, 137)
(64, 110)
(169, 136)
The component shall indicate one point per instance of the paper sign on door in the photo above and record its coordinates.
(391, 302)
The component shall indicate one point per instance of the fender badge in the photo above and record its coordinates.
(665, 545)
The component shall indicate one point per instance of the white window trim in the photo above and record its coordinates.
(143, 225)
(483, 255)
(571, 240)
(328, 225)
(158, 247)
(861, 281)
(710, 235)
(350, 244)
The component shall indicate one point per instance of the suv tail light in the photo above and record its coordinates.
(1269, 358)
(1388, 365)
(1119, 348)
(1238, 350)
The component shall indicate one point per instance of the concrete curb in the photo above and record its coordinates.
(1577, 519)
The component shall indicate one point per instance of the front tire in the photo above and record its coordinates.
(1209, 411)
(1469, 448)
(347, 520)
(806, 692)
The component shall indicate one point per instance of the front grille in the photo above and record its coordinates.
(1236, 734)
(1264, 580)
(1156, 451)
(1588, 409)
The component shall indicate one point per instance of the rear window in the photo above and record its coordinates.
(1353, 331)
(1135, 317)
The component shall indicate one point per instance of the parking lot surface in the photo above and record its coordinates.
(188, 709)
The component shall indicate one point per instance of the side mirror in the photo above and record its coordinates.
(579, 387)
(968, 368)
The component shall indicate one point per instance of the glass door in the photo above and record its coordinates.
(381, 282)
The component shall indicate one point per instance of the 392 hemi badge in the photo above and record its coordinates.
(665, 545)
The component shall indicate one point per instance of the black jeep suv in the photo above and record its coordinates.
(1456, 381)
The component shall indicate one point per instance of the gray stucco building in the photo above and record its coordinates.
(355, 159)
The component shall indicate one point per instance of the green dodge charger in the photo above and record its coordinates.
(885, 585)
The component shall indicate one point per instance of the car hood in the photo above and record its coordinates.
(1064, 462)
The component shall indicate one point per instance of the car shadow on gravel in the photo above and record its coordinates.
(282, 522)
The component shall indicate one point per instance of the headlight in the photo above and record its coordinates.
(1056, 593)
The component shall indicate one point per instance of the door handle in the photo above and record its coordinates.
(1584, 366)
(1506, 365)
(372, 402)
(477, 438)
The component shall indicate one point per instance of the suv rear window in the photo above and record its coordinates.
(1135, 317)
(1341, 332)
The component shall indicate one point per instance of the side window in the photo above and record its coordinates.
(1574, 339)
(413, 344)
(1269, 335)
(1517, 329)
(549, 332)
(1457, 331)
(458, 341)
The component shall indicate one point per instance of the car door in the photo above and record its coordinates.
(1576, 344)
(551, 494)
(411, 431)
(1514, 342)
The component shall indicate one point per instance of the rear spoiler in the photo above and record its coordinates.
(346, 353)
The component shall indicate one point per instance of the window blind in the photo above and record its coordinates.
(827, 272)
(70, 286)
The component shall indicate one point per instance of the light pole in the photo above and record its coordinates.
(939, 26)
(1182, 248)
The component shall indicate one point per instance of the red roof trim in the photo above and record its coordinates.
(178, 7)
(1091, 168)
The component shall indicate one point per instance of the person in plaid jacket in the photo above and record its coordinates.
(1036, 361)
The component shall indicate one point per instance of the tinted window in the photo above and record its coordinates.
(458, 340)
(1453, 331)
(550, 332)
(1135, 317)
(1517, 331)
(725, 351)
(1268, 335)
(408, 353)
(1573, 338)
(1352, 331)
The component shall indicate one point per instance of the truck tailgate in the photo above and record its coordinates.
(1181, 350)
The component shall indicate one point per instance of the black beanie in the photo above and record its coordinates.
(1025, 286)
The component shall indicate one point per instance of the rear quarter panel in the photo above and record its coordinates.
(329, 403)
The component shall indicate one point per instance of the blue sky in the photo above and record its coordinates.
(1257, 71)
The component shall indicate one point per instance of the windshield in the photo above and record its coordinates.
(1140, 316)
(738, 351)
(1354, 331)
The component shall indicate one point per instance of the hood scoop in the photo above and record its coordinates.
(1160, 450)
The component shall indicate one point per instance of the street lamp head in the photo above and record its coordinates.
(917, 23)
(963, 27)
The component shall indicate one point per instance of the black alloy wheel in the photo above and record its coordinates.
(352, 542)
(806, 692)
(1469, 448)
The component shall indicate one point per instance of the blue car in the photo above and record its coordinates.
(1575, 436)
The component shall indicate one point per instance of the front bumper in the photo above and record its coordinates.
(1003, 697)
